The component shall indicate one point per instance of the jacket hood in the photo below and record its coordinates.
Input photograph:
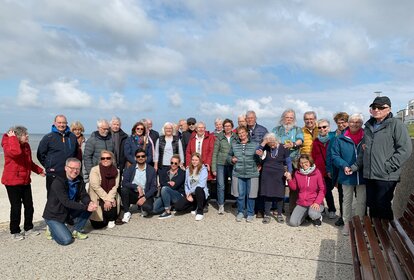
(54, 129)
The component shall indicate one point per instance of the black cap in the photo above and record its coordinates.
(191, 120)
(381, 100)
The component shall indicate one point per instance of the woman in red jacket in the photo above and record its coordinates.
(309, 183)
(18, 165)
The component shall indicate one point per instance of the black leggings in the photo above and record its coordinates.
(199, 201)
(268, 204)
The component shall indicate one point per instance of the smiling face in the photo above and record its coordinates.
(195, 161)
(289, 118)
(323, 128)
(174, 164)
(304, 163)
(139, 130)
(251, 119)
(342, 124)
(106, 159)
(243, 135)
(72, 169)
(379, 112)
(115, 126)
(355, 125)
(168, 130)
(61, 123)
(310, 121)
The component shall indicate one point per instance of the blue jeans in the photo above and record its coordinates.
(60, 232)
(244, 191)
(223, 172)
(168, 197)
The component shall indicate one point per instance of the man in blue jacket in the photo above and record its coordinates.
(55, 148)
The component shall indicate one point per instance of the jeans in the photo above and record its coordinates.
(379, 197)
(60, 232)
(169, 196)
(129, 196)
(18, 195)
(223, 172)
(300, 212)
(244, 191)
(361, 199)
(199, 201)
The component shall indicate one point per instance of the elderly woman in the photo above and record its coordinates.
(308, 181)
(18, 165)
(345, 151)
(138, 139)
(219, 166)
(245, 186)
(103, 186)
(78, 129)
(166, 146)
(275, 162)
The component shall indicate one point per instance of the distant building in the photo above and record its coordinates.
(407, 114)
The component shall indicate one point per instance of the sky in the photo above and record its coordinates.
(167, 60)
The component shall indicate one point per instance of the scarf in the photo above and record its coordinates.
(108, 176)
(323, 139)
(357, 137)
(307, 171)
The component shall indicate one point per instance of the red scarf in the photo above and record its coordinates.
(108, 177)
(357, 137)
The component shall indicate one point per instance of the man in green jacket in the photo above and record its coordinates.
(387, 147)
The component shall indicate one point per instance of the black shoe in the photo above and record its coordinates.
(317, 222)
(339, 222)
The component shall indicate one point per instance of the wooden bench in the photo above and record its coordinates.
(383, 249)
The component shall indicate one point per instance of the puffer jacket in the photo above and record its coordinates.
(93, 147)
(247, 159)
(311, 188)
(221, 150)
(18, 163)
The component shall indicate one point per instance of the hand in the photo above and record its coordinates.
(233, 160)
(11, 133)
(92, 206)
(190, 198)
(156, 166)
(43, 174)
(288, 176)
(215, 174)
(107, 205)
(172, 183)
(141, 201)
(139, 190)
(347, 170)
(259, 153)
(113, 203)
(329, 175)
(259, 167)
(364, 146)
(315, 206)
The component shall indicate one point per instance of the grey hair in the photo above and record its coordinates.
(198, 123)
(284, 114)
(310, 113)
(166, 124)
(324, 120)
(60, 116)
(218, 120)
(19, 130)
(357, 116)
(271, 137)
(251, 112)
(241, 116)
(117, 119)
(72, 159)
(101, 122)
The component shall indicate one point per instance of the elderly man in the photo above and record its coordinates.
(256, 131)
(182, 126)
(186, 135)
(55, 148)
(139, 186)
(387, 147)
(310, 132)
(118, 138)
(99, 140)
(68, 199)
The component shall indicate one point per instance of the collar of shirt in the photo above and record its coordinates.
(137, 167)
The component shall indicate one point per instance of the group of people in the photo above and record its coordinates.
(99, 178)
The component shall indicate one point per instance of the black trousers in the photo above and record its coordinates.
(110, 215)
(199, 201)
(18, 195)
(129, 196)
(379, 196)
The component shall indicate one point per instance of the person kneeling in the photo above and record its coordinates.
(311, 189)
(68, 199)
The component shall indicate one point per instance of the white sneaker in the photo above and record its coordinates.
(332, 215)
(194, 212)
(199, 217)
(221, 209)
(111, 224)
(17, 236)
(31, 232)
(127, 217)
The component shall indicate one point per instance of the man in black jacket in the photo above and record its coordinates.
(118, 138)
(68, 199)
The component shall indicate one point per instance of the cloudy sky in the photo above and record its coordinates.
(169, 59)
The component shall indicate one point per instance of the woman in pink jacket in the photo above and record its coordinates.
(18, 165)
(309, 183)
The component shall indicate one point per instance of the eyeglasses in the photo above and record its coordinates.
(374, 107)
(106, 158)
(104, 128)
(73, 168)
(174, 163)
(143, 156)
(139, 128)
(323, 126)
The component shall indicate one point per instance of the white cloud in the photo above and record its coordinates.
(116, 101)
(67, 95)
(27, 96)
(175, 99)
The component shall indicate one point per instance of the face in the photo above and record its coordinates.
(149, 124)
(310, 121)
(72, 170)
(241, 121)
(139, 130)
(24, 138)
(355, 125)
(61, 123)
(103, 129)
(379, 112)
(140, 158)
(183, 125)
(219, 125)
(272, 143)
(251, 119)
(168, 129)
(289, 118)
(174, 163)
(115, 126)
(323, 128)
(201, 129)
(195, 161)
(242, 135)
(191, 126)
(304, 163)
(106, 159)
(77, 132)
(228, 128)
(342, 124)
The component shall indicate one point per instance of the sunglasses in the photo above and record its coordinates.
(190, 123)
(139, 128)
(144, 156)
(323, 126)
(106, 158)
(374, 107)
(174, 163)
